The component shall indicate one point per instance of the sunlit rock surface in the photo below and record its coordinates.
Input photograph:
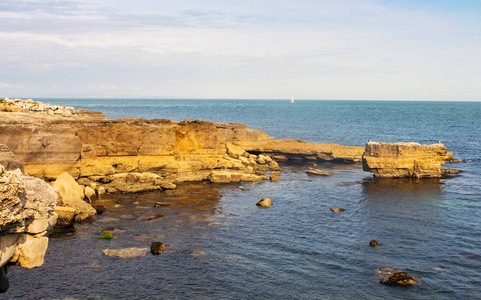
(405, 159)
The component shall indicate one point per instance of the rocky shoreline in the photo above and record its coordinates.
(84, 155)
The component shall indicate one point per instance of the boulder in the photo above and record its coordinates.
(395, 277)
(66, 215)
(399, 279)
(275, 176)
(265, 202)
(157, 247)
(126, 253)
(373, 243)
(405, 159)
(90, 194)
(314, 171)
(71, 195)
(338, 210)
(164, 184)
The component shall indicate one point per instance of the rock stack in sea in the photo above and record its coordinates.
(405, 159)
(26, 215)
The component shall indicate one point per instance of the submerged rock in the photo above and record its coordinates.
(337, 210)
(244, 188)
(395, 277)
(399, 279)
(314, 171)
(157, 247)
(265, 202)
(153, 217)
(126, 253)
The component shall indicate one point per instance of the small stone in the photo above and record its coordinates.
(154, 217)
(265, 202)
(244, 188)
(373, 243)
(157, 247)
(313, 171)
(136, 203)
(275, 176)
(338, 210)
(126, 253)
(161, 204)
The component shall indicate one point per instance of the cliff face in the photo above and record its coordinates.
(405, 159)
(26, 215)
(88, 145)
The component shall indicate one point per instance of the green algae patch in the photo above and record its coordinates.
(107, 236)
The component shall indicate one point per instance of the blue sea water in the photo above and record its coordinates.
(221, 246)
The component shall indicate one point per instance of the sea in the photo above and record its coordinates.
(219, 245)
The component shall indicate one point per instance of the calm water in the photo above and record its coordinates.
(221, 246)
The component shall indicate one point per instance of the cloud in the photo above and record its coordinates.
(312, 49)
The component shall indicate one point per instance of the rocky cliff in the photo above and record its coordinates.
(26, 214)
(86, 145)
(405, 159)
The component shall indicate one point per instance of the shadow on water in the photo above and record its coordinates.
(388, 189)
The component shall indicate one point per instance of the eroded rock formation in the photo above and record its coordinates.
(405, 159)
(26, 214)
(86, 145)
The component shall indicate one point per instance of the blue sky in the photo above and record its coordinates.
(343, 49)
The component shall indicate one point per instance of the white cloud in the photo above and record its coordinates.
(240, 49)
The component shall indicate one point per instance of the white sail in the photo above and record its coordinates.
(292, 99)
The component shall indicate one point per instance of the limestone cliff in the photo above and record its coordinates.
(89, 145)
(405, 159)
(26, 215)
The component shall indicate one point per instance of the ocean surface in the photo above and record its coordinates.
(221, 246)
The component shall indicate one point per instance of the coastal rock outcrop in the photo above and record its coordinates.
(26, 214)
(87, 145)
(405, 159)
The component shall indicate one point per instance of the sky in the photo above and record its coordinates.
(249, 49)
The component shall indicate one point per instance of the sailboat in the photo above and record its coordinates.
(292, 99)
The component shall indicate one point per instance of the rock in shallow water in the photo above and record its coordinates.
(337, 210)
(157, 247)
(313, 171)
(373, 243)
(266, 202)
(395, 277)
(399, 279)
(126, 253)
